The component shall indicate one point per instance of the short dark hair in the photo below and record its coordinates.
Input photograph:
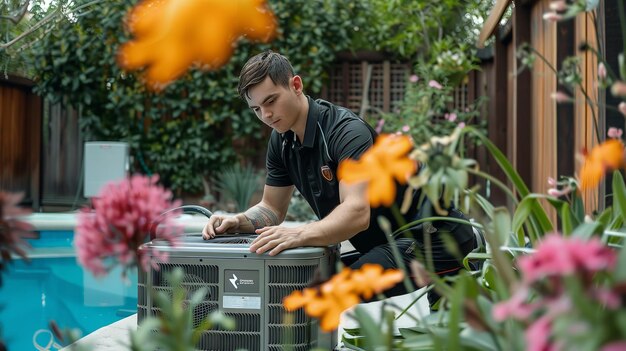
(267, 63)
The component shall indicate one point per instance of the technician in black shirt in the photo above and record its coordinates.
(309, 140)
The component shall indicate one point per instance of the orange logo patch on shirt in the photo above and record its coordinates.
(327, 173)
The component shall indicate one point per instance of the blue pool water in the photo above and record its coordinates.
(52, 286)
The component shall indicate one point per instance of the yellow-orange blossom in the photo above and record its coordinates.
(341, 292)
(172, 35)
(602, 158)
(383, 163)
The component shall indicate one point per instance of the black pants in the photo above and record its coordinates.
(444, 263)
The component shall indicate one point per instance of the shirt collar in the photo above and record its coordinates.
(311, 123)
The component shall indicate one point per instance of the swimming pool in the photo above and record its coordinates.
(53, 286)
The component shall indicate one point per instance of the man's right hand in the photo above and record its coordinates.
(219, 225)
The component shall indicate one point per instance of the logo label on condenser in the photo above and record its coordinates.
(241, 281)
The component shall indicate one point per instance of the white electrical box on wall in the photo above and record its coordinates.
(105, 161)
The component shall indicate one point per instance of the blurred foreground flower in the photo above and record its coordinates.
(12, 230)
(341, 292)
(124, 213)
(568, 289)
(383, 163)
(172, 35)
(602, 158)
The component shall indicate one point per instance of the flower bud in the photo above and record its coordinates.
(618, 88)
(601, 71)
(552, 16)
(560, 97)
(622, 108)
(558, 6)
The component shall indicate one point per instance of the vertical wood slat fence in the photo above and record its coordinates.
(20, 130)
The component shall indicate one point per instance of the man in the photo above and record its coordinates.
(309, 139)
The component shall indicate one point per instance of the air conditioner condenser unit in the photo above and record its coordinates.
(245, 286)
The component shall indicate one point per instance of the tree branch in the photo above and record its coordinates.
(18, 14)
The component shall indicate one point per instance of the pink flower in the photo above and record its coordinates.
(615, 133)
(560, 97)
(560, 192)
(607, 297)
(559, 256)
(461, 125)
(406, 128)
(558, 5)
(124, 215)
(552, 16)
(450, 116)
(413, 78)
(591, 255)
(515, 307)
(615, 346)
(538, 335)
(622, 108)
(551, 181)
(550, 258)
(602, 71)
(435, 84)
(379, 126)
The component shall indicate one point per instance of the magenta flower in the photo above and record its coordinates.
(123, 216)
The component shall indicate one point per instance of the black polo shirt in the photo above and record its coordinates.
(332, 134)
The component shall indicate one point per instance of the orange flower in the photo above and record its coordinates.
(341, 292)
(379, 166)
(364, 278)
(602, 158)
(171, 35)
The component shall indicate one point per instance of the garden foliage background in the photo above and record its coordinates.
(552, 284)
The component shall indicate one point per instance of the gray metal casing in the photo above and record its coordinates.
(245, 286)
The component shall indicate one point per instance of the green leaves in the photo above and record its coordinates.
(186, 132)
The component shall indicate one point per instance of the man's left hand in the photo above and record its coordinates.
(276, 239)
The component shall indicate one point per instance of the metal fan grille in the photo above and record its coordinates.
(233, 239)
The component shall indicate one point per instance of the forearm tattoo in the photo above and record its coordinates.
(261, 217)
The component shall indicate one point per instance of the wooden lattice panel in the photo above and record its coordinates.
(387, 81)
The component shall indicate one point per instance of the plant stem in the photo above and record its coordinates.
(622, 22)
(495, 181)
(593, 111)
(580, 86)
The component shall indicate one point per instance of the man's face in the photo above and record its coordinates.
(275, 105)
